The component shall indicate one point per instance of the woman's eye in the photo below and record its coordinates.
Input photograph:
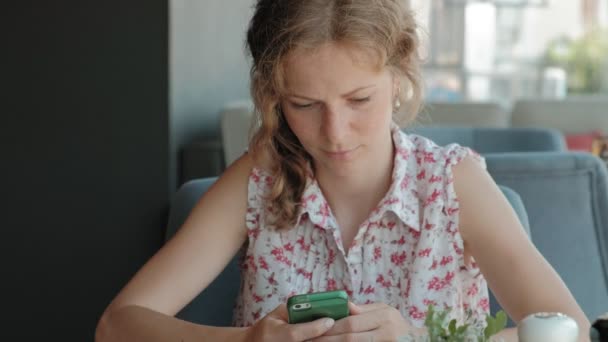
(301, 105)
(362, 100)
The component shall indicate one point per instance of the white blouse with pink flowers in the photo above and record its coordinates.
(408, 253)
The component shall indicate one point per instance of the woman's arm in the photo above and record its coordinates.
(183, 267)
(519, 276)
(136, 323)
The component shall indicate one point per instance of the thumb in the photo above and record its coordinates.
(309, 330)
(280, 312)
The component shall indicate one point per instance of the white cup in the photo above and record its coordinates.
(547, 326)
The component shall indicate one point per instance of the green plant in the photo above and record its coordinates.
(584, 60)
(441, 330)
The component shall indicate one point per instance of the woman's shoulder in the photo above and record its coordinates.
(254, 175)
(248, 165)
(428, 168)
(236, 175)
(429, 154)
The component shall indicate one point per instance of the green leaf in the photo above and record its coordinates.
(452, 327)
(501, 320)
(442, 330)
(429, 316)
(495, 325)
(462, 329)
(434, 324)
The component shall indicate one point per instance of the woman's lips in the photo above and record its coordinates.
(342, 154)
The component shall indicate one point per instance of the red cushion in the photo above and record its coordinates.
(582, 141)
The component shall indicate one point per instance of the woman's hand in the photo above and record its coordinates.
(370, 322)
(275, 327)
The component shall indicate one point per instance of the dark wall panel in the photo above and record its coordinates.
(84, 144)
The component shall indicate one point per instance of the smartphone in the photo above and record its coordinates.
(309, 307)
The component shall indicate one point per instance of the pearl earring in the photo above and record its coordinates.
(397, 105)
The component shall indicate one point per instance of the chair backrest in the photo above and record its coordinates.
(235, 121)
(568, 116)
(495, 140)
(215, 304)
(466, 114)
(566, 198)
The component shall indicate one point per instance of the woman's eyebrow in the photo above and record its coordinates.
(343, 95)
(356, 90)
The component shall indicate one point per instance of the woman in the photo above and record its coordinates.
(332, 195)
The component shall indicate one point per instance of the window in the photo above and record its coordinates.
(502, 50)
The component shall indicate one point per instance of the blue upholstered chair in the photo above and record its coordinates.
(566, 198)
(495, 140)
(215, 304)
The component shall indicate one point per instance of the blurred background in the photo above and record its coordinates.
(110, 106)
(505, 50)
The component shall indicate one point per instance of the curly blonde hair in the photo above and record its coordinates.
(384, 27)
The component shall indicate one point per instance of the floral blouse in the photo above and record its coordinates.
(408, 253)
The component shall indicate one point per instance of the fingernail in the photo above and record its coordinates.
(329, 323)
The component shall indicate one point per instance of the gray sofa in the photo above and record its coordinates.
(571, 115)
(565, 195)
(574, 114)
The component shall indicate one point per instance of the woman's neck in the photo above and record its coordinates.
(366, 185)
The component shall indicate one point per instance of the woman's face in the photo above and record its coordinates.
(339, 105)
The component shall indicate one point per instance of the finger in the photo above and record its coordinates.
(355, 337)
(355, 324)
(354, 309)
(309, 330)
(371, 307)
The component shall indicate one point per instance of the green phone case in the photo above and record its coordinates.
(309, 307)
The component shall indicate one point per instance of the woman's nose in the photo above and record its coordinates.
(335, 125)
